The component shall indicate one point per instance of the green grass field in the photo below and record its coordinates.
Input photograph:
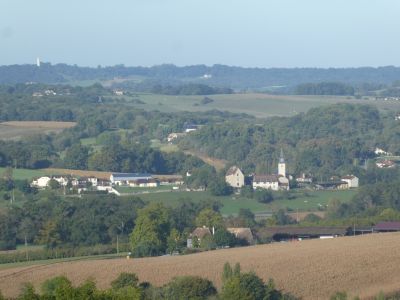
(132, 190)
(21, 174)
(259, 105)
(58, 260)
(314, 201)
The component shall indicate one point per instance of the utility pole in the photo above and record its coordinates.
(13, 196)
(121, 228)
(26, 248)
(117, 245)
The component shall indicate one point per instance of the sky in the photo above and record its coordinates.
(248, 33)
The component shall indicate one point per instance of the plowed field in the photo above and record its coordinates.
(313, 269)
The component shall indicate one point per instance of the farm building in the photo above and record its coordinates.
(304, 179)
(271, 182)
(191, 127)
(287, 233)
(234, 177)
(386, 227)
(169, 179)
(125, 178)
(243, 233)
(197, 235)
(351, 181)
(385, 164)
(175, 135)
(41, 182)
(144, 183)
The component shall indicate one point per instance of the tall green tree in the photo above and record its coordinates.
(152, 227)
(76, 157)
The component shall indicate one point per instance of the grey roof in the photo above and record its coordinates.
(296, 230)
(232, 170)
(128, 176)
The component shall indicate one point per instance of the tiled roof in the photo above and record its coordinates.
(232, 170)
(387, 226)
(265, 178)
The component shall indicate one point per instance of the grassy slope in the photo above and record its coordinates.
(232, 204)
(259, 105)
(25, 173)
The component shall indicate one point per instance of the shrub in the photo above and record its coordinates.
(189, 287)
(50, 286)
(125, 280)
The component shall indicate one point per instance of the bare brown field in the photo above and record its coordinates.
(314, 269)
(40, 124)
(79, 173)
(19, 129)
(218, 164)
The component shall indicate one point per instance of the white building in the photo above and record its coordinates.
(234, 177)
(380, 152)
(273, 182)
(125, 178)
(351, 180)
(282, 165)
(268, 182)
(41, 182)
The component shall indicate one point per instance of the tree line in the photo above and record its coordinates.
(222, 75)
(236, 285)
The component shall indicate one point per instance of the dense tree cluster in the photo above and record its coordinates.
(324, 88)
(324, 141)
(220, 75)
(156, 87)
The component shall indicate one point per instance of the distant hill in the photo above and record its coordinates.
(216, 75)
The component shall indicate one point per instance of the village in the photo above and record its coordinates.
(234, 177)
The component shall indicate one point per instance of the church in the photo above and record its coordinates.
(275, 182)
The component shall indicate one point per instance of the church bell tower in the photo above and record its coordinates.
(282, 165)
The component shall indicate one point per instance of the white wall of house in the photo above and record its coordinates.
(236, 179)
(266, 185)
(351, 182)
(41, 182)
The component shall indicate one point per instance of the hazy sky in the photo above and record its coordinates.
(253, 33)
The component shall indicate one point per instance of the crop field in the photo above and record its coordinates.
(18, 129)
(78, 173)
(22, 174)
(259, 105)
(312, 269)
(313, 201)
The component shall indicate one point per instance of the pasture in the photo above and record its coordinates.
(310, 269)
(258, 105)
(312, 201)
(22, 174)
(15, 130)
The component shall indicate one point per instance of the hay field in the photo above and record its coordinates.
(14, 130)
(314, 269)
(78, 173)
(256, 104)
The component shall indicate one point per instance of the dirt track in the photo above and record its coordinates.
(314, 269)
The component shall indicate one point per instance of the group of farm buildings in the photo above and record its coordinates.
(280, 181)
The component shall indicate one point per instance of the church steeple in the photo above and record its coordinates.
(281, 158)
(282, 165)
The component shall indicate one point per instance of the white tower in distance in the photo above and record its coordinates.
(282, 165)
(37, 62)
